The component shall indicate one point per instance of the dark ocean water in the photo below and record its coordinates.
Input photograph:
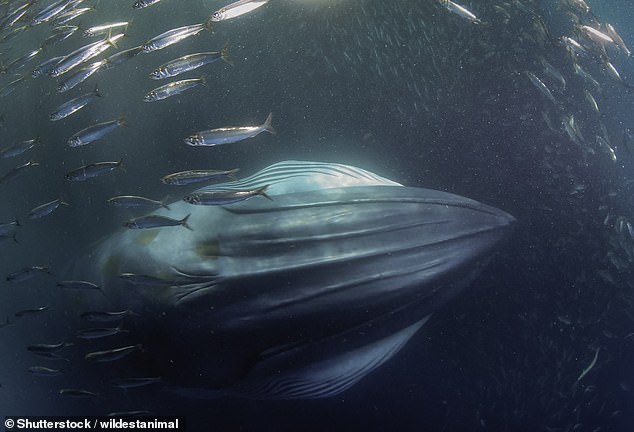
(404, 89)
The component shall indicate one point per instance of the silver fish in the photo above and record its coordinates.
(40, 348)
(122, 56)
(461, 11)
(45, 67)
(80, 76)
(50, 12)
(130, 201)
(237, 9)
(25, 312)
(79, 285)
(7, 228)
(173, 88)
(19, 148)
(197, 176)
(539, 84)
(17, 171)
(127, 383)
(98, 333)
(224, 197)
(95, 132)
(72, 106)
(26, 273)
(173, 36)
(46, 208)
(140, 4)
(84, 54)
(229, 135)
(112, 354)
(92, 170)
(98, 316)
(44, 371)
(78, 393)
(188, 63)
(104, 28)
(155, 221)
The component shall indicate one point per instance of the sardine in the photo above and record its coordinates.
(15, 172)
(112, 354)
(130, 201)
(27, 273)
(197, 176)
(173, 88)
(19, 148)
(77, 393)
(44, 371)
(98, 333)
(237, 9)
(221, 197)
(155, 221)
(189, 63)
(98, 316)
(95, 132)
(72, 106)
(173, 36)
(229, 135)
(92, 170)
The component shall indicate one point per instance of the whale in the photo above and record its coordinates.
(298, 294)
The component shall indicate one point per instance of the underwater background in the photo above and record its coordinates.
(405, 89)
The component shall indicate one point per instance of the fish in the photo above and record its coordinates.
(222, 197)
(99, 316)
(19, 148)
(78, 393)
(26, 273)
(613, 34)
(373, 256)
(98, 333)
(189, 63)
(72, 106)
(46, 208)
(130, 201)
(49, 12)
(71, 14)
(112, 354)
(539, 84)
(156, 221)
(140, 4)
(95, 132)
(7, 228)
(173, 89)
(17, 171)
(44, 371)
(227, 135)
(144, 280)
(174, 36)
(79, 285)
(127, 383)
(80, 76)
(122, 57)
(237, 9)
(590, 366)
(104, 28)
(47, 348)
(461, 11)
(196, 176)
(83, 54)
(6, 323)
(92, 170)
(25, 312)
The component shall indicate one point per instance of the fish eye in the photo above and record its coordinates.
(216, 15)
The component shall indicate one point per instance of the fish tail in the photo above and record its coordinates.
(203, 80)
(224, 55)
(232, 174)
(208, 24)
(267, 126)
(183, 222)
(262, 191)
(165, 206)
